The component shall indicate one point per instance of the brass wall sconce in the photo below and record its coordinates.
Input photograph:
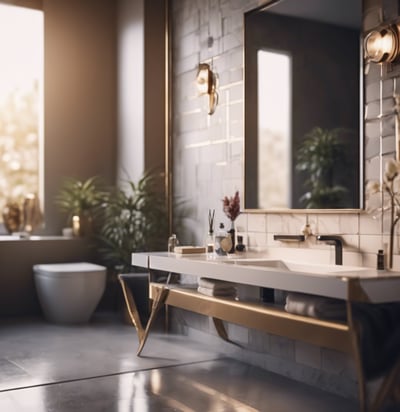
(207, 84)
(382, 45)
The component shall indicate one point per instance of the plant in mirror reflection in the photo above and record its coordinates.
(322, 158)
(385, 196)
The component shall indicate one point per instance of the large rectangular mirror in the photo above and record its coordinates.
(304, 105)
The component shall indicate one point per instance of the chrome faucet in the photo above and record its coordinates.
(337, 242)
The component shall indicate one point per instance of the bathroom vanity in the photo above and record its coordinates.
(336, 281)
(349, 283)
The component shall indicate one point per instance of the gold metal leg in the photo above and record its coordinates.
(132, 309)
(166, 319)
(222, 333)
(220, 328)
(160, 297)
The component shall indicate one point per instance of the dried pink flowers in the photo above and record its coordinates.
(231, 206)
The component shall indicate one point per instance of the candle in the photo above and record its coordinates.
(75, 225)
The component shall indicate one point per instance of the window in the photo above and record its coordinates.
(21, 103)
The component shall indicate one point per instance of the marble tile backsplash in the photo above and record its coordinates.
(361, 234)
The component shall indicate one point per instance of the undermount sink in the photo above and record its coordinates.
(285, 265)
(270, 263)
(321, 268)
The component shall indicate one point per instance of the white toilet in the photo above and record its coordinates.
(69, 292)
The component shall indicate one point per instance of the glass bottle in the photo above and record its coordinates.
(172, 242)
(220, 237)
(380, 260)
(209, 243)
(240, 247)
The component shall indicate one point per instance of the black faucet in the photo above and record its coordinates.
(337, 242)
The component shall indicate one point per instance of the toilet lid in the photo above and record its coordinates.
(64, 268)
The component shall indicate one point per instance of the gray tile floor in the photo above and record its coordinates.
(93, 368)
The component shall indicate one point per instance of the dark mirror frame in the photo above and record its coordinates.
(250, 129)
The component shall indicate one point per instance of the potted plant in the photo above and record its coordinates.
(81, 201)
(134, 219)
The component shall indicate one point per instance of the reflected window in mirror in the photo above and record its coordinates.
(303, 122)
(274, 132)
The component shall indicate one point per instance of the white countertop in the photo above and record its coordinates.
(319, 279)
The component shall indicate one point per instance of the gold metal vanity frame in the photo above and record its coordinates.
(340, 336)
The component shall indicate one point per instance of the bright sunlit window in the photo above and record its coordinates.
(274, 127)
(21, 103)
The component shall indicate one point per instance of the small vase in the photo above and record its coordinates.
(82, 225)
(32, 215)
(12, 217)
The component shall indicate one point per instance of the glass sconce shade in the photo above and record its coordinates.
(204, 79)
(207, 84)
(382, 45)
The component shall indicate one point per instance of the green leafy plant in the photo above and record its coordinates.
(134, 220)
(319, 157)
(82, 198)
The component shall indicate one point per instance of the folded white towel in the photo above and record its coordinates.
(227, 292)
(315, 306)
(215, 284)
